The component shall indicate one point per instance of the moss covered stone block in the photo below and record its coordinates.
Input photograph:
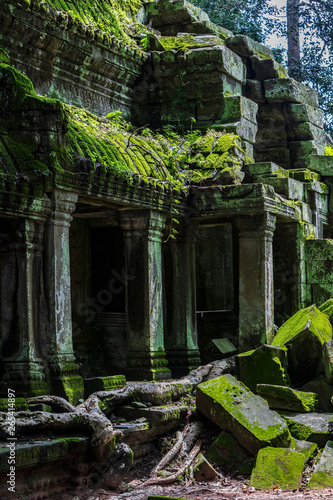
(314, 427)
(203, 470)
(227, 452)
(246, 47)
(280, 467)
(306, 447)
(322, 476)
(322, 164)
(267, 364)
(103, 383)
(323, 390)
(20, 404)
(300, 113)
(289, 90)
(267, 68)
(285, 398)
(230, 405)
(304, 334)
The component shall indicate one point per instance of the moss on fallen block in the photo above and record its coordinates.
(280, 467)
(230, 405)
(322, 476)
(267, 364)
(286, 398)
(304, 334)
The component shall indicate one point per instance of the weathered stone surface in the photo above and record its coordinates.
(103, 383)
(280, 467)
(321, 164)
(220, 58)
(267, 168)
(254, 90)
(223, 367)
(306, 131)
(246, 47)
(287, 187)
(303, 175)
(298, 113)
(279, 397)
(304, 334)
(314, 427)
(322, 476)
(237, 107)
(323, 390)
(267, 364)
(218, 349)
(230, 405)
(306, 447)
(157, 414)
(203, 470)
(301, 150)
(244, 128)
(227, 452)
(328, 357)
(289, 90)
(267, 68)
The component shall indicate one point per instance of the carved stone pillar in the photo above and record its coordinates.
(20, 271)
(256, 290)
(144, 294)
(63, 369)
(182, 337)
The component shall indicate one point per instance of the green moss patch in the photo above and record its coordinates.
(322, 476)
(304, 334)
(286, 398)
(247, 417)
(278, 467)
(265, 365)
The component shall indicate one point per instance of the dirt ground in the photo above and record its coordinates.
(225, 488)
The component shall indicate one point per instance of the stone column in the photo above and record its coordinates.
(291, 290)
(144, 294)
(21, 261)
(182, 336)
(256, 290)
(63, 369)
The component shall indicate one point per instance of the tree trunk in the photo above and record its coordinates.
(294, 46)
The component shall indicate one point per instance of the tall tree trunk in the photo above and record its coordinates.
(294, 46)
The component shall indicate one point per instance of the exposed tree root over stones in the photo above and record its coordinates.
(91, 417)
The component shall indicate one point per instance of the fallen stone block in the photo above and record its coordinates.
(156, 414)
(267, 364)
(203, 470)
(230, 405)
(227, 452)
(314, 427)
(218, 349)
(304, 334)
(322, 476)
(285, 398)
(306, 447)
(280, 467)
(323, 390)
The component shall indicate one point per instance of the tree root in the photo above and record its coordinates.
(171, 479)
(170, 455)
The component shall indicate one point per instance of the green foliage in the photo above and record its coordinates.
(242, 17)
(115, 17)
(329, 151)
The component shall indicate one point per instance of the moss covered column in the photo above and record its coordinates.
(144, 297)
(256, 290)
(182, 336)
(21, 294)
(64, 371)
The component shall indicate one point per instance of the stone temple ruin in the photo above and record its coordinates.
(166, 199)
